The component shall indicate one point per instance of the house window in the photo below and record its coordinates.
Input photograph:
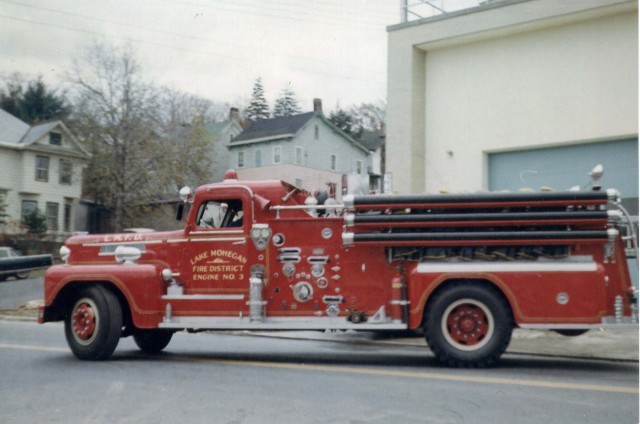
(240, 159)
(316, 133)
(298, 155)
(277, 154)
(42, 168)
(334, 161)
(258, 158)
(55, 139)
(52, 216)
(66, 171)
(28, 207)
(67, 217)
(359, 167)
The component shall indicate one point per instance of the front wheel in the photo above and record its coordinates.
(468, 325)
(152, 341)
(94, 324)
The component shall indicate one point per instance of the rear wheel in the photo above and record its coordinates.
(22, 275)
(94, 324)
(152, 341)
(468, 325)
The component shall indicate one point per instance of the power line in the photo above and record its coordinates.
(340, 7)
(133, 40)
(93, 18)
(168, 33)
(175, 47)
(369, 25)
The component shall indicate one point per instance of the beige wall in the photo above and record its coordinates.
(526, 74)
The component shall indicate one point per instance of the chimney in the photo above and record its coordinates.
(234, 114)
(317, 105)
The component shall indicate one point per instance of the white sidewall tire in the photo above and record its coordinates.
(460, 346)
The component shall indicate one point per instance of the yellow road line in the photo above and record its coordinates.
(424, 375)
(379, 372)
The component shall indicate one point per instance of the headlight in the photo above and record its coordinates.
(65, 252)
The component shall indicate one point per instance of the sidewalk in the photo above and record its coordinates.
(619, 345)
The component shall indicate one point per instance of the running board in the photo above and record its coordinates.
(245, 323)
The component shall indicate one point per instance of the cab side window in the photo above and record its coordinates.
(220, 214)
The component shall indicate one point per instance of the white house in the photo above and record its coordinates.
(40, 168)
(513, 94)
(222, 133)
(306, 150)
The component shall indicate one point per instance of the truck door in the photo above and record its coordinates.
(215, 260)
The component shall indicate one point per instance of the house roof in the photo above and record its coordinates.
(38, 131)
(12, 130)
(274, 127)
(17, 134)
(371, 139)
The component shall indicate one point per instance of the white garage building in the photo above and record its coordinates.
(514, 94)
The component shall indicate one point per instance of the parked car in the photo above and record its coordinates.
(13, 264)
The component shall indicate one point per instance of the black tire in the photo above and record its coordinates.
(571, 332)
(468, 325)
(22, 275)
(93, 324)
(152, 341)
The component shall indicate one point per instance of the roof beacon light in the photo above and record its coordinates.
(231, 176)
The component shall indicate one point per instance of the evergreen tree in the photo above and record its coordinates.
(258, 107)
(286, 104)
(36, 222)
(35, 103)
(342, 120)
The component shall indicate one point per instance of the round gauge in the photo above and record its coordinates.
(265, 232)
(302, 291)
(333, 310)
(327, 233)
(278, 240)
(322, 283)
(288, 269)
(317, 270)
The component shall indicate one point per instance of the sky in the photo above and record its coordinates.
(335, 50)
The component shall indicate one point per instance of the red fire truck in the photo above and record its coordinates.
(262, 255)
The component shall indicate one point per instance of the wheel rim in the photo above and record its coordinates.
(84, 321)
(467, 324)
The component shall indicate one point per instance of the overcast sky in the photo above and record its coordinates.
(332, 49)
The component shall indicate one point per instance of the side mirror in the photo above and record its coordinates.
(185, 195)
(180, 212)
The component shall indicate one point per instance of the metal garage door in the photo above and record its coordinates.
(564, 167)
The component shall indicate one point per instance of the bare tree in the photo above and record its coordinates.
(116, 116)
(368, 116)
(190, 146)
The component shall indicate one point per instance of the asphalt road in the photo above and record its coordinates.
(225, 378)
(15, 293)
